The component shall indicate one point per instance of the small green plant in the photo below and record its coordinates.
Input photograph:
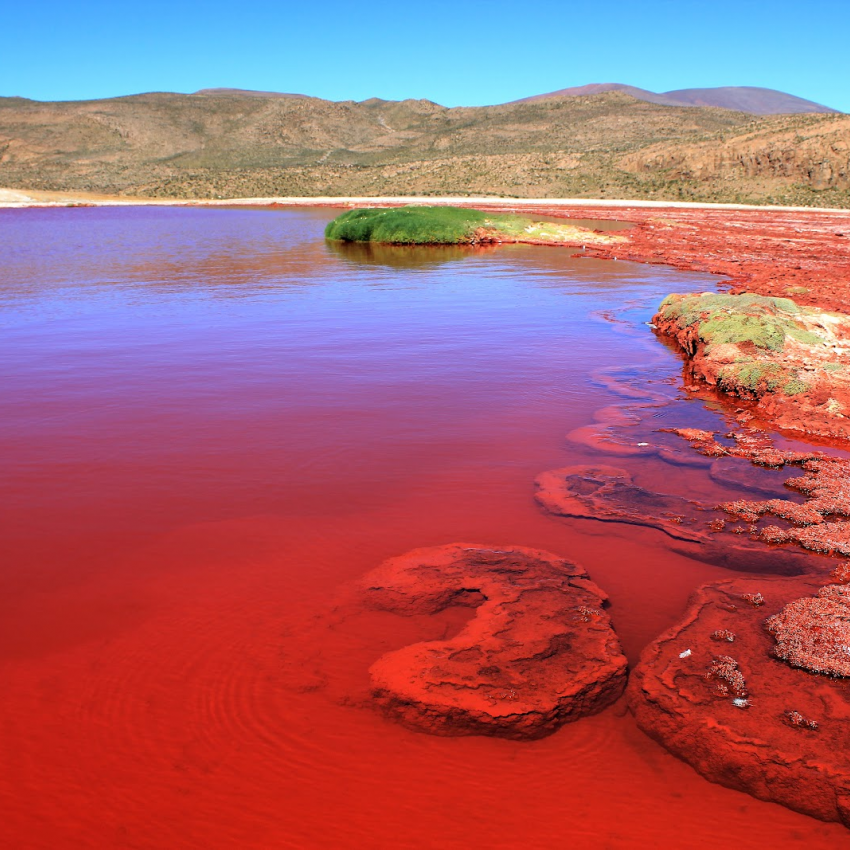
(751, 375)
(794, 386)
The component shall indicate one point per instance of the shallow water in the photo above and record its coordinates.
(211, 423)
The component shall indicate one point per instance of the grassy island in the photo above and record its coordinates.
(417, 225)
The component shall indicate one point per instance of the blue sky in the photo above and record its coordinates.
(455, 53)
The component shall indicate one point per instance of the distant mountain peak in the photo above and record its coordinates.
(245, 93)
(752, 99)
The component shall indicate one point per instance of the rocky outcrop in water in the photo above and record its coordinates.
(793, 362)
(539, 652)
(608, 493)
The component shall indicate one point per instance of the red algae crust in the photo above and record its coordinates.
(539, 652)
(803, 253)
(820, 524)
(814, 633)
(716, 692)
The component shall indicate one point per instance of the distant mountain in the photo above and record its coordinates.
(752, 99)
(756, 101)
(245, 93)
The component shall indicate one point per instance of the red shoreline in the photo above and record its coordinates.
(763, 251)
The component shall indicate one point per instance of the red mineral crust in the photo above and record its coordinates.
(819, 524)
(737, 712)
(539, 652)
(801, 253)
(814, 633)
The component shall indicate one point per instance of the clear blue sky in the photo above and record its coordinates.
(455, 53)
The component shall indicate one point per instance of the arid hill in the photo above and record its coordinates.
(223, 143)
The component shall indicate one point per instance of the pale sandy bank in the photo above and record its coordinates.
(31, 198)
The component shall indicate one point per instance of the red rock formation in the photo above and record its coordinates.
(792, 362)
(749, 720)
(539, 652)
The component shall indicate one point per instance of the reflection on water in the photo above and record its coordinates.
(210, 422)
(406, 256)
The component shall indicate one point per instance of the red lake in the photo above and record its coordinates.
(213, 423)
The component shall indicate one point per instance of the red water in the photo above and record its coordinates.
(210, 424)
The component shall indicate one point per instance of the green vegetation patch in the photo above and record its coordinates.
(763, 321)
(416, 225)
(795, 386)
(758, 377)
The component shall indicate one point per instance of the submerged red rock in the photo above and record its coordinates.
(609, 494)
(539, 652)
(740, 715)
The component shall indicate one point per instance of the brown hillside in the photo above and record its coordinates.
(813, 153)
(231, 144)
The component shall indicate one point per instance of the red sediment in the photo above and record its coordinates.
(753, 722)
(727, 678)
(841, 574)
(539, 653)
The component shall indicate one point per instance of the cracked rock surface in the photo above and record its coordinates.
(716, 692)
(538, 652)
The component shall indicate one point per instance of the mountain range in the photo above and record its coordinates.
(603, 140)
(752, 99)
